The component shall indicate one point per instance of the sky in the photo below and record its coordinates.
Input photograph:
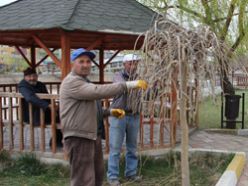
(4, 2)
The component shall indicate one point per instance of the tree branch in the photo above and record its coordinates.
(242, 32)
(185, 9)
(208, 13)
(224, 18)
(228, 20)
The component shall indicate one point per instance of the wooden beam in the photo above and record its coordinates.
(95, 63)
(112, 57)
(66, 51)
(23, 55)
(44, 58)
(173, 107)
(101, 66)
(33, 56)
(42, 45)
(95, 44)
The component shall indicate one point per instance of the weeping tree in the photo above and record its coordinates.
(228, 19)
(171, 49)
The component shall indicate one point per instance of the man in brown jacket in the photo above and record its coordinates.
(80, 117)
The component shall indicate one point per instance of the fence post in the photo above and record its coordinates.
(10, 112)
(21, 139)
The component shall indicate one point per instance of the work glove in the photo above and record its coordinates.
(118, 113)
(141, 84)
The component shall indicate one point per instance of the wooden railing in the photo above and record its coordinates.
(13, 107)
(242, 81)
(11, 117)
(52, 87)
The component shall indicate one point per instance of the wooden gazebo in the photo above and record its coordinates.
(95, 24)
(62, 24)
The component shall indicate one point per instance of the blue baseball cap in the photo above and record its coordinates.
(81, 51)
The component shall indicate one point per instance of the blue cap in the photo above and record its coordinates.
(81, 51)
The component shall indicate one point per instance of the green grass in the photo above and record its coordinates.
(205, 168)
(210, 112)
(27, 170)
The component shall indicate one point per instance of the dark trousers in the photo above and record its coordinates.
(86, 161)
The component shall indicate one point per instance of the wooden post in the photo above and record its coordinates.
(162, 121)
(33, 57)
(152, 126)
(173, 100)
(53, 126)
(106, 126)
(50, 88)
(65, 56)
(183, 122)
(4, 103)
(197, 91)
(11, 138)
(1, 125)
(101, 66)
(20, 111)
(31, 125)
(42, 128)
(57, 89)
(141, 131)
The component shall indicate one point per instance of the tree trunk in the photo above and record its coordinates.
(184, 125)
(227, 86)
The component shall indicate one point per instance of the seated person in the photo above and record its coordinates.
(28, 87)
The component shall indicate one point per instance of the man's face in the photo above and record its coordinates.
(31, 79)
(82, 65)
(130, 66)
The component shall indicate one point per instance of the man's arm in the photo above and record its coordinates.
(90, 91)
(31, 97)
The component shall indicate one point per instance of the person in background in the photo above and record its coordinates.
(29, 87)
(127, 126)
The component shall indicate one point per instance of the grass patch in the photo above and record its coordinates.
(210, 112)
(29, 171)
(205, 168)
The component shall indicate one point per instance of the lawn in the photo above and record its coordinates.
(210, 112)
(27, 170)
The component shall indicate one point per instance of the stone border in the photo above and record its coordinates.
(239, 132)
(233, 172)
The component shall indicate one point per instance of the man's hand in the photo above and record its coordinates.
(119, 113)
(141, 84)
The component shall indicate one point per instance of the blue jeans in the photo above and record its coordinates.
(129, 126)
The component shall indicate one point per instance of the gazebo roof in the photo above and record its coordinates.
(117, 23)
(118, 16)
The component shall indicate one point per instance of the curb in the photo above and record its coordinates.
(231, 175)
(239, 132)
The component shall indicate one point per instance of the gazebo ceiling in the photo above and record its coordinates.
(52, 39)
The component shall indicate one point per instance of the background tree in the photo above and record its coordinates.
(228, 19)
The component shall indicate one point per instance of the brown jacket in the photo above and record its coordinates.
(78, 109)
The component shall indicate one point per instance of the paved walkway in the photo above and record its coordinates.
(216, 141)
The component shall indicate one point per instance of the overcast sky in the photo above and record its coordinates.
(4, 2)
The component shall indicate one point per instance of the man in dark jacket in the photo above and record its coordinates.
(28, 87)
